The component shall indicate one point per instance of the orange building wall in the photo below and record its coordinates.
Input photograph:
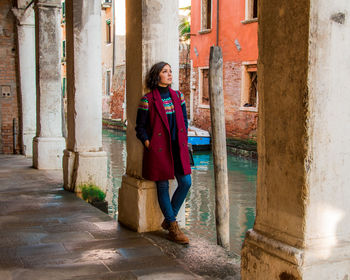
(232, 12)
(239, 123)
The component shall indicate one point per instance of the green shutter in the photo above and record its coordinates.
(63, 9)
(64, 48)
(64, 87)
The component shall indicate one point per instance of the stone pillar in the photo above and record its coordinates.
(26, 53)
(303, 214)
(84, 160)
(48, 145)
(152, 36)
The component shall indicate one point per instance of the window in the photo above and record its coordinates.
(204, 87)
(251, 9)
(108, 82)
(206, 15)
(63, 9)
(63, 48)
(249, 96)
(108, 32)
(64, 87)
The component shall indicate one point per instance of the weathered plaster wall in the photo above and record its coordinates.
(328, 156)
(26, 62)
(302, 207)
(232, 12)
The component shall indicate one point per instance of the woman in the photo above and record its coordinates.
(161, 126)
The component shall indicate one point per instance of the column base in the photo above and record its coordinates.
(81, 168)
(265, 258)
(48, 152)
(138, 207)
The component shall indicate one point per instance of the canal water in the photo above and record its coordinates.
(200, 209)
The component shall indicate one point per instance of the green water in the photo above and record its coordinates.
(200, 201)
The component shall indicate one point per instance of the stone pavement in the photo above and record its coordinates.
(48, 233)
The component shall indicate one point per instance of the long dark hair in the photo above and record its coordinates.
(152, 78)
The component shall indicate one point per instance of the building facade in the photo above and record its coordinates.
(107, 45)
(234, 28)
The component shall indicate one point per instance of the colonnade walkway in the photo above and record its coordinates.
(49, 233)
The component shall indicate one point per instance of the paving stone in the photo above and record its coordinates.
(59, 272)
(140, 252)
(168, 273)
(124, 275)
(48, 233)
(140, 263)
(67, 237)
(10, 260)
(97, 255)
(105, 243)
(41, 249)
(20, 238)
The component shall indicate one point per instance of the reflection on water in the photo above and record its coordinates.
(200, 201)
(114, 143)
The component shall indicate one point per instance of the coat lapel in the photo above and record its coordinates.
(178, 109)
(160, 108)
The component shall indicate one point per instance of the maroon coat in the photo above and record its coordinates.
(158, 163)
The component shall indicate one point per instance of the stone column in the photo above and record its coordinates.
(48, 145)
(303, 214)
(84, 160)
(152, 36)
(26, 53)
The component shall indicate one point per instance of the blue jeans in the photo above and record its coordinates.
(171, 208)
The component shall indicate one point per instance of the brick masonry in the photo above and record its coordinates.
(239, 124)
(118, 89)
(185, 72)
(8, 78)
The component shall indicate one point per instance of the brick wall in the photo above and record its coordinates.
(118, 89)
(185, 72)
(8, 78)
(239, 124)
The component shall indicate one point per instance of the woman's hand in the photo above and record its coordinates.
(147, 144)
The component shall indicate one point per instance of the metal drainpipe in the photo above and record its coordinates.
(217, 22)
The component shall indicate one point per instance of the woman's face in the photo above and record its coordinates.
(165, 76)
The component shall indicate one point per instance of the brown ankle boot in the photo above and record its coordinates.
(165, 225)
(176, 235)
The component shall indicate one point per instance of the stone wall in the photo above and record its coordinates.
(239, 123)
(8, 79)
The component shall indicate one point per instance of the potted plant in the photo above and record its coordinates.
(95, 196)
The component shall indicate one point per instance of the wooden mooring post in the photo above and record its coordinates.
(217, 112)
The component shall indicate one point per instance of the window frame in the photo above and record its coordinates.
(206, 30)
(245, 87)
(108, 91)
(108, 32)
(249, 12)
(200, 89)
